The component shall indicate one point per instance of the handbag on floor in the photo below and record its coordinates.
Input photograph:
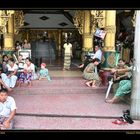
(126, 116)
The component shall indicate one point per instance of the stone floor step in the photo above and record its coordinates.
(48, 123)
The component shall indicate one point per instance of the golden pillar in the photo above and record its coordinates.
(109, 55)
(9, 38)
(109, 58)
(87, 36)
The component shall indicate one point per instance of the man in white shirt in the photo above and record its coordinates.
(67, 55)
(97, 54)
(7, 110)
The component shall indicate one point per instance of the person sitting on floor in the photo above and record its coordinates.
(7, 110)
(44, 73)
(118, 76)
(89, 74)
(98, 54)
(4, 63)
(20, 64)
(124, 85)
(10, 78)
(28, 73)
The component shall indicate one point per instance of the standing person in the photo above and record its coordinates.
(67, 55)
(7, 110)
(26, 45)
(17, 47)
(44, 73)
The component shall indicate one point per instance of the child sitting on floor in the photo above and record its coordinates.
(44, 73)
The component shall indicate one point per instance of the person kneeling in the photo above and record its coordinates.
(90, 74)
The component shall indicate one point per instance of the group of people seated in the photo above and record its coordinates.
(121, 75)
(23, 71)
(15, 74)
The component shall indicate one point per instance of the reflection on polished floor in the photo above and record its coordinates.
(64, 103)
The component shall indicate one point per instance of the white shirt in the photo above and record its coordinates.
(67, 47)
(98, 55)
(8, 106)
(15, 67)
(29, 68)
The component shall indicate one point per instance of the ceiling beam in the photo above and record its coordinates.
(68, 16)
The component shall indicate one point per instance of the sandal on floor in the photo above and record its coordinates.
(119, 122)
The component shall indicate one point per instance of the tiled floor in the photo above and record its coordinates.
(66, 103)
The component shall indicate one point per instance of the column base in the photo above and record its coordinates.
(8, 53)
(109, 59)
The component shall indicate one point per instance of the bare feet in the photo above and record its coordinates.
(64, 69)
(88, 84)
(109, 101)
(20, 84)
(93, 86)
(29, 84)
(81, 66)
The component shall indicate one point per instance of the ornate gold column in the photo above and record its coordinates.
(87, 36)
(109, 59)
(9, 38)
(109, 55)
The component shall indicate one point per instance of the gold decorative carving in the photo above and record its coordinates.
(97, 19)
(9, 49)
(111, 60)
(109, 48)
(79, 20)
(102, 59)
(18, 20)
(110, 29)
(4, 17)
(134, 19)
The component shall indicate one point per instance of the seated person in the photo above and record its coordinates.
(44, 73)
(89, 74)
(10, 78)
(20, 64)
(120, 75)
(124, 85)
(28, 73)
(4, 64)
(98, 54)
(7, 110)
